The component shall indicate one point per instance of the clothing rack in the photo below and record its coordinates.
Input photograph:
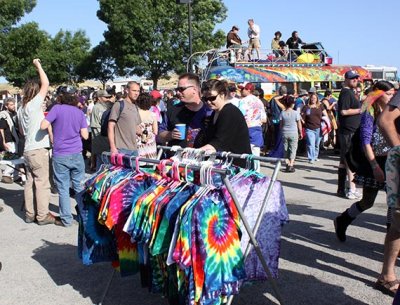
(253, 233)
(224, 173)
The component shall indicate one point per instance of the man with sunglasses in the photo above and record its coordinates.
(191, 111)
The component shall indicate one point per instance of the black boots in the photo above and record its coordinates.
(341, 190)
(341, 223)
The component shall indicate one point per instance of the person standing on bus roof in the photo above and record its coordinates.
(253, 33)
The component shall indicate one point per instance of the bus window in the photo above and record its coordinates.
(377, 74)
(390, 76)
(303, 85)
(337, 85)
(324, 85)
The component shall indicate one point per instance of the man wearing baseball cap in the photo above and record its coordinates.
(349, 120)
(254, 113)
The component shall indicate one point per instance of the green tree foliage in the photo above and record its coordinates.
(64, 55)
(60, 55)
(98, 65)
(11, 12)
(21, 45)
(150, 37)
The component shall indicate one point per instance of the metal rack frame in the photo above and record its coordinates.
(224, 173)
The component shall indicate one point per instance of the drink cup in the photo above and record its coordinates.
(182, 130)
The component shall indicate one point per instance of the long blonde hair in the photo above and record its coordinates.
(30, 90)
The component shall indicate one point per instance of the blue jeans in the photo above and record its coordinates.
(67, 169)
(313, 140)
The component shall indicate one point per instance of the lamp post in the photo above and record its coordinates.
(188, 2)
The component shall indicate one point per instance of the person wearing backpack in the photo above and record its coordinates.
(97, 122)
(124, 122)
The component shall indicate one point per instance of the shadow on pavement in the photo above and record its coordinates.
(297, 232)
(295, 289)
(14, 199)
(65, 268)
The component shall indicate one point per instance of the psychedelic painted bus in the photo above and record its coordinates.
(269, 75)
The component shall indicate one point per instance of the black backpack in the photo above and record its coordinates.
(106, 116)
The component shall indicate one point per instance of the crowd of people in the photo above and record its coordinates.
(52, 135)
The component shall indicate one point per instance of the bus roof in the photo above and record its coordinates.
(260, 74)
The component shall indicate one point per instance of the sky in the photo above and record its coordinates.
(351, 32)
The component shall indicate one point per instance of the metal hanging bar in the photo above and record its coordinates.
(253, 241)
(168, 163)
(223, 154)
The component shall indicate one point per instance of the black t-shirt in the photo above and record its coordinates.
(294, 44)
(228, 133)
(7, 131)
(194, 120)
(347, 100)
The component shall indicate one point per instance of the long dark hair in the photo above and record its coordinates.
(30, 90)
(385, 86)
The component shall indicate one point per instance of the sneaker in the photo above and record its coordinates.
(311, 161)
(7, 180)
(291, 169)
(350, 195)
(357, 194)
(49, 219)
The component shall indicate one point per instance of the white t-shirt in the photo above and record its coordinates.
(234, 101)
(253, 110)
(30, 118)
(255, 33)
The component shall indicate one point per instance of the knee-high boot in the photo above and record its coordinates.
(341, 223)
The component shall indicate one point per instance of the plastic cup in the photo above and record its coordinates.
(182, 130)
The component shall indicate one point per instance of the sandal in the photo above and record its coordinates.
(387, 287)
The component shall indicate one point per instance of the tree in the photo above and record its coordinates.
(11, 12)
(60, 55)
(21, 45)
(98, 65)
(65, 53)
(150, 37)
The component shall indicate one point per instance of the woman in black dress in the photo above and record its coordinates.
(227, 129)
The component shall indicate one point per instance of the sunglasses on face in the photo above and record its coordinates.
(209, 98)
(181, 89)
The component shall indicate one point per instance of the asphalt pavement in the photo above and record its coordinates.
(40, 265)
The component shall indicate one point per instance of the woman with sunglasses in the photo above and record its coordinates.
(227, 129)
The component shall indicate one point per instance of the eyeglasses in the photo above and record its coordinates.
(181, 89)
(209, 98)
